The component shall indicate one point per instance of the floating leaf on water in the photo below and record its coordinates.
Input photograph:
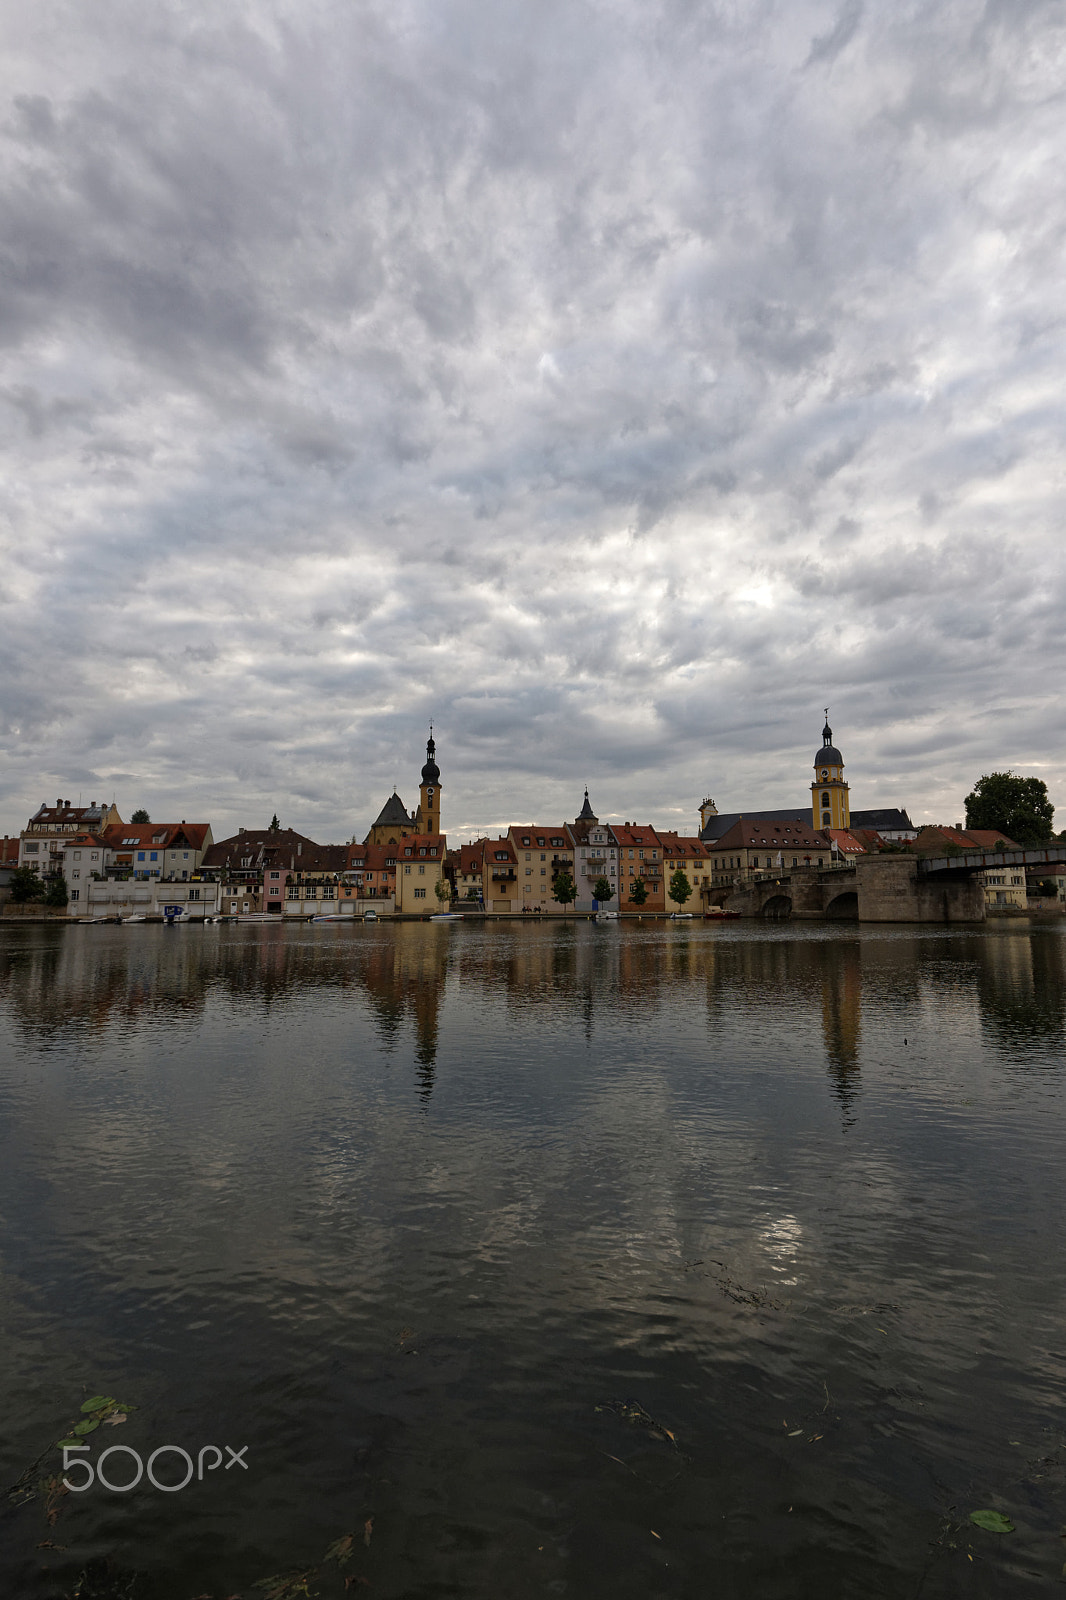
(62, 1444)
(795, 1433)
(115, 1418)
(87, 1426)
(368, 1528)
(341, 1549)
(98, 1402)
(992, 1521)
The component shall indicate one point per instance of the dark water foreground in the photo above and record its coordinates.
(591, 1262)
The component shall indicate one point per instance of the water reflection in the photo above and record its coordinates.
(433, 1199)
(580, 976)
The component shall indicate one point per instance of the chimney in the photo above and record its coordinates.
(59, 803)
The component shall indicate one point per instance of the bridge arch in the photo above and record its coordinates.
(778, 905)
(843, 907)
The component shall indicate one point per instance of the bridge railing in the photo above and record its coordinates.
(980, 860)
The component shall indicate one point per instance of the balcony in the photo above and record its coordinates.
(503, 874)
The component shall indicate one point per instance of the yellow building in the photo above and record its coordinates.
(420, 861)
(829, 791)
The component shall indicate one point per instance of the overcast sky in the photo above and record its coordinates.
(616, 384)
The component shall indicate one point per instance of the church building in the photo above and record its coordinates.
(393, 822)
(829, 805)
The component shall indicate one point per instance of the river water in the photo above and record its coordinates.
(656, 1260)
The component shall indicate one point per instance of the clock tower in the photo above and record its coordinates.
(829, 791)
(429, 791)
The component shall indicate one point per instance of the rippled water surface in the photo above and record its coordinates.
(665, 1260)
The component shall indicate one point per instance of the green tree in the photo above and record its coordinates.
(638, 891)
(1018, 807)
(680, 888)
(56, 893)
(25, 886)
(275, 825)
(140, 815)
(564, 889)
(603, 890)
(444, 890)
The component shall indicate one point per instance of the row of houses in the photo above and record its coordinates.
(113, 868)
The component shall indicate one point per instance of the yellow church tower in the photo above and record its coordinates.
(428, 816)
(829, 791)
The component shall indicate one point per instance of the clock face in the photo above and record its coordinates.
(825, 772)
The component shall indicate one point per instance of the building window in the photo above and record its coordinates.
(422, 871)
(420, 894)
(825, 800)
(407, 869)
(74, 893)
(140, 855)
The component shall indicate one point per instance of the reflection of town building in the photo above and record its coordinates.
(1021, 988)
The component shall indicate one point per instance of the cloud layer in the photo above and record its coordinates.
(614, 384)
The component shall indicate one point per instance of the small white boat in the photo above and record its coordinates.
(370, 916)
(446, 916)
(135, 919)
(681, 916)
(331, 916)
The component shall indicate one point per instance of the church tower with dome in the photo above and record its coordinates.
(427, 817)
(830, 807)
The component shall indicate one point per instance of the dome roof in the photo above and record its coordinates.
(828, 755)
(431, 771)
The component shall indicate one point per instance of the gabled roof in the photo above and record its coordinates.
(846, 842)
(634, 834)
(371, 857)
(536, 837)
(63, 813)
(426, 845)
(285, 845)
(156, 835)
(680, 844)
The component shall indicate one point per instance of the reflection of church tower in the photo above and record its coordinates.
(829, 791)
(841, 1010)
(428, 819)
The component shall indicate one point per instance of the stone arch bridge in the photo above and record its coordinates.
(884, 888)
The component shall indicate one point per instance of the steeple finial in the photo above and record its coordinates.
(827, 732)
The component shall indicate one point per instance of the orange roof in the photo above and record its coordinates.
(159, 834)
(846, 841)
(679, 844)
(634, 834)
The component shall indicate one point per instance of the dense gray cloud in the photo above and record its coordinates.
(616, 384)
